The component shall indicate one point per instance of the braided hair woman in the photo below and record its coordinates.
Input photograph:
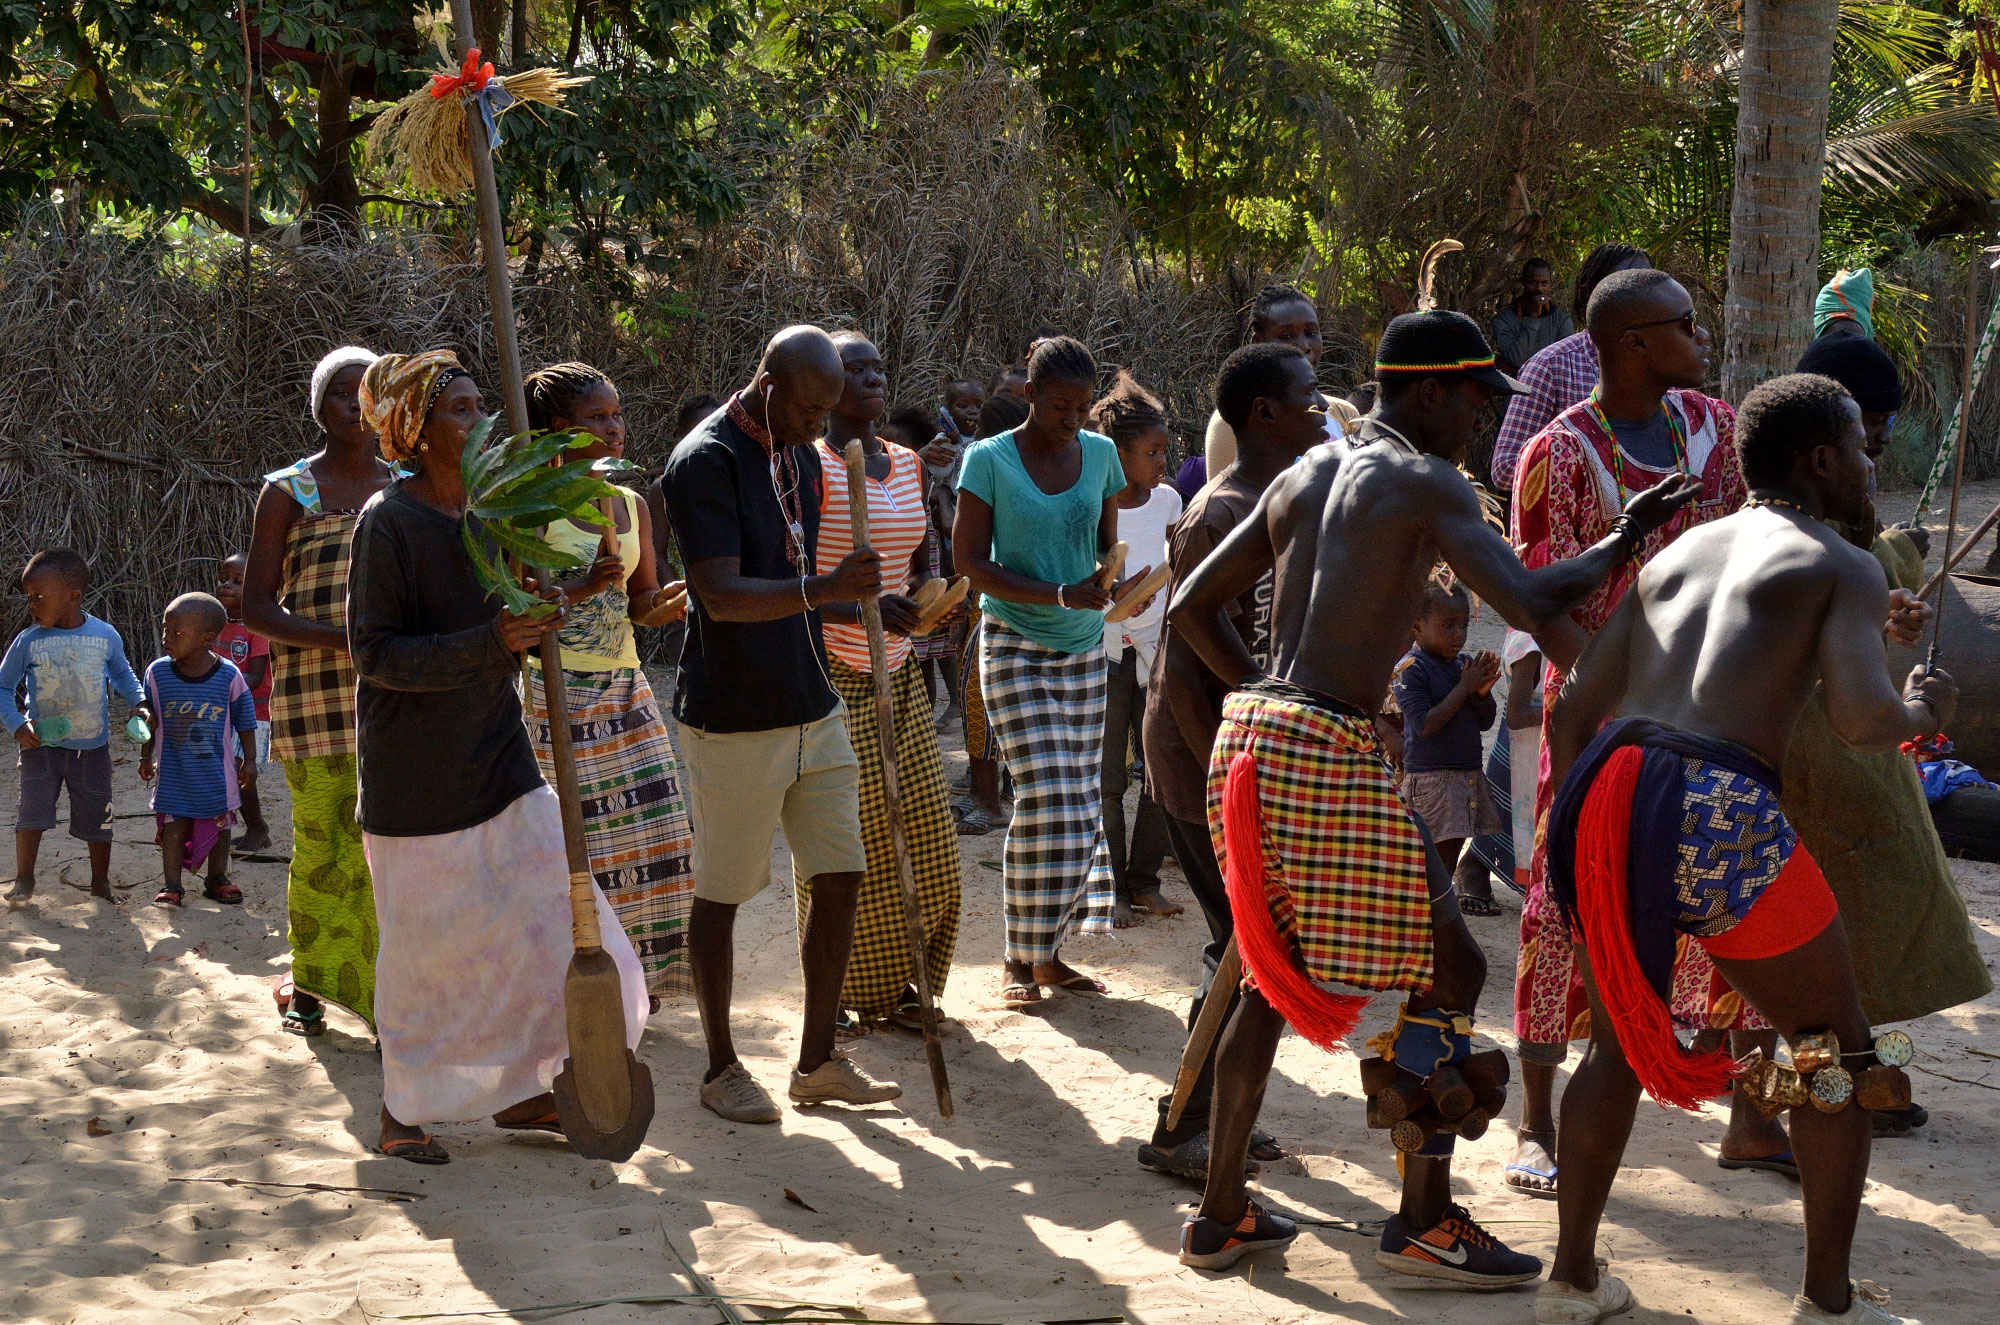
(636, 818)
(1036, 508)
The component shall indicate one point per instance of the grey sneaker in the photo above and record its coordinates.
(735, 1095)
(840, 1079)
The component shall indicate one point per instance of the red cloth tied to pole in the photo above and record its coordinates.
(472, 76)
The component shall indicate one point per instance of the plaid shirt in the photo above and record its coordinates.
(1556, 378)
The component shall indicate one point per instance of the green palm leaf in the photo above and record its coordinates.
(515, 489)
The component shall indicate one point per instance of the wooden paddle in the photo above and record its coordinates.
(885, 749)
(1137, 592)
(604, 1094)
(1113, 566)
(935, 600)
(1221, 991)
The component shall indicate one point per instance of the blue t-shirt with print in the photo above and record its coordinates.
(66, 673)
(194, 755)
(1045, 536)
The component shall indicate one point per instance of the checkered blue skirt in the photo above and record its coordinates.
(1047, 710)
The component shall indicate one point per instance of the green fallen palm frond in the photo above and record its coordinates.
(514, 489)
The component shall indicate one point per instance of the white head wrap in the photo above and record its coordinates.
(323, 371)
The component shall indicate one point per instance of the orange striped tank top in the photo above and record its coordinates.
(896, 524)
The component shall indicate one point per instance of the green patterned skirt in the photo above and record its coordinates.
(329, 893)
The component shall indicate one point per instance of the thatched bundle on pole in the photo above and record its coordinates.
(424, 134)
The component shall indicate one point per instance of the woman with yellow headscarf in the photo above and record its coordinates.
(463, 836)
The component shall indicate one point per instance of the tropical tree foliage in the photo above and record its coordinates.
(1332, 139)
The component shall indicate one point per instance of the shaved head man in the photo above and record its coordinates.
(761, 728)
(1646, 419)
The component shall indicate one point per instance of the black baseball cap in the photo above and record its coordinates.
(1439, 342)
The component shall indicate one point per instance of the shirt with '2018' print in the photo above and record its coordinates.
(194, 717)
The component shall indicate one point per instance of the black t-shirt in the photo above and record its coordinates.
(439, 734)
(744, 676)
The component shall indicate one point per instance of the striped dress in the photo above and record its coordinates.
(635, 811)
(879, 967)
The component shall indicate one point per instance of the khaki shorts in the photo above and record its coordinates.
(1454, 804)
(743, 785)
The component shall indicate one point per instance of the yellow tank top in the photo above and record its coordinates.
(598, 637)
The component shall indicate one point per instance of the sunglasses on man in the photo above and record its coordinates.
(1686, 320)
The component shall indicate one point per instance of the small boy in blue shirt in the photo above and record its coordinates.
(198, 700)
(1447, 701)
(66, 660)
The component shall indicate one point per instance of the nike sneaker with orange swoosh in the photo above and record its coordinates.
(1210, 1244)
(1456, 1250)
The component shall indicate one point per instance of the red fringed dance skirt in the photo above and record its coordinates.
(1325, 868)
(1658, 832)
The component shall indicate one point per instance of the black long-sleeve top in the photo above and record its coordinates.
(439, 733)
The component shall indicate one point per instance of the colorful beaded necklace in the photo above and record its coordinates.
(1675, 429)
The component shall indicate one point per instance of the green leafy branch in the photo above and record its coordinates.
(514, 491)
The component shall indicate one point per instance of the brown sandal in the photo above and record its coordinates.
(418, 1150)
(1020, 996)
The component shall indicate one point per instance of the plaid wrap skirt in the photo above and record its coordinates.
(1046, 709)
(879, 966)
(635, 812)
(1343, 863)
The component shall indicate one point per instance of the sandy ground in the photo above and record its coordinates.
(143, 1062)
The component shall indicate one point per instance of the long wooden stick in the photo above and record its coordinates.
(1228, 974)
(616, 1101)
(885, 743)
(514, 399)
(1958, 462)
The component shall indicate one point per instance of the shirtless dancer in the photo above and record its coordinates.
(1361, 896)
(1708, 663)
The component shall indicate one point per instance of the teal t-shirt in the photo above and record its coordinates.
(1050, 537)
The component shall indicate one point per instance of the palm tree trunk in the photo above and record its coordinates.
(1774, 215)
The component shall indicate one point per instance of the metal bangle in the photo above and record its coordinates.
(1925, 700)
(803, 596)
(1059, 596)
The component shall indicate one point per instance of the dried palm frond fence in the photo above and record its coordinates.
(933, 219)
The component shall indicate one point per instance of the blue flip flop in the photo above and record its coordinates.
(1548, 1173)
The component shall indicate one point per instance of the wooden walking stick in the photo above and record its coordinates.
(1221, 992)
(1964, 421)
(604, 1094)
(885, 747)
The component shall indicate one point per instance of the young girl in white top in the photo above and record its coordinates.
(1133, 417)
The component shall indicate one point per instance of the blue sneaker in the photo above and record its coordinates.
(1210, 1244)
(1455, 1250)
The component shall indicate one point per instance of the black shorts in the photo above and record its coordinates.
(46, 770)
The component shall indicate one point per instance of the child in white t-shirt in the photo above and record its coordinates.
(1133, 417)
